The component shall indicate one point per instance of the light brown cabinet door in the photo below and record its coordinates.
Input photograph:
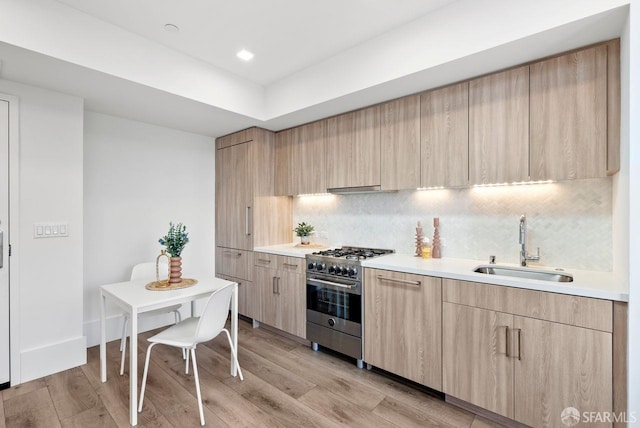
(291, 289)
(248, 297)
(301, 160)
(265, 281)
(234, 197)
(444, 145)
(400, 144)
(569, 116)
(353, 149)
(476, 367)
(560, 366)
(402, 325)
(283, 180)
(499, 127)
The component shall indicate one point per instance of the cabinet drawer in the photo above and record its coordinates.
(234, 263)
(265, 260)
(291, 264)
(579, 311)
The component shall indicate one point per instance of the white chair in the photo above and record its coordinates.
(189, 333)
(146, 271)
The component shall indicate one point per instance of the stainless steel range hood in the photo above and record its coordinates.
(358, 189)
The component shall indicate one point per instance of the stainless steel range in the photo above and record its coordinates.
(334, 298)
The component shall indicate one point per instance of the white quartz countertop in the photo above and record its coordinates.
(291, 250)
(602, 285)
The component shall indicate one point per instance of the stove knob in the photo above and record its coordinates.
(332, 269)
(321, 266)
(352, 271)
(345, 271)
(331, 322)
(311, 266)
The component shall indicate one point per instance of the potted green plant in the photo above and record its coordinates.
(175, 240)
(303, 230)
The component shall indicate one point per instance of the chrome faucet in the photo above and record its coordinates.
(524, 257)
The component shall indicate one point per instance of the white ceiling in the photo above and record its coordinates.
(120, 60)
(286, 36)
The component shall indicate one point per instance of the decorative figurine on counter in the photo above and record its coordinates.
(419, 238)
(435, 249)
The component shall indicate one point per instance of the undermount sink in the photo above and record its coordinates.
(525, 273)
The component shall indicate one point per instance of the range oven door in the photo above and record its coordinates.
(341, 300)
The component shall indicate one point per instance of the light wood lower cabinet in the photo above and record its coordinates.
(521, 367)
(248, 297)
(558, 366)
(282, 287)
(476, 367)
(402, 325)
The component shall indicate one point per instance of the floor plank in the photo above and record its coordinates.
(2, 424)
(333, 380)
(480, 422)
(71, 393)
(95, 417)
(341, 411)
(23, 388)
(32, 409)
(283, 379)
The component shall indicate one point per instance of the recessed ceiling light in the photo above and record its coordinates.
(245, 55)
(171, 28)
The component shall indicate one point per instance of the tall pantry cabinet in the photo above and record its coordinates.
(248, 214)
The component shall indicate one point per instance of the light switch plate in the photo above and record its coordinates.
(50, 230)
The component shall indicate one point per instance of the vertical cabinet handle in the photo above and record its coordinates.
(278, 286)
(519, 344)
(247, 229)
(273, 285)
(1, 249)
(507, 341)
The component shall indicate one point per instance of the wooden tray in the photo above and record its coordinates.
(164, 285)
(318, 246)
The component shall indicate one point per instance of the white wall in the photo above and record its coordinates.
(570, 221)
(633, 51)
(137, 178)
(50, 270)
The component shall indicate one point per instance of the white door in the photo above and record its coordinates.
(4, 244)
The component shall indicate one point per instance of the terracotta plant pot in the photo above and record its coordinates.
(175, 270)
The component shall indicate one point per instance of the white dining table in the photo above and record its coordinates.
(134, 298)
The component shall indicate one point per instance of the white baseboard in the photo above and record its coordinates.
(53, 358)
(114, 325)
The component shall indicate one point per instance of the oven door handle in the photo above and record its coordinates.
(335, 284)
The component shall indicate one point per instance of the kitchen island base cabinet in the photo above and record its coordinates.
(402, 325)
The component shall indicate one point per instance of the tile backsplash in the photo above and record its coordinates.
(571, 221)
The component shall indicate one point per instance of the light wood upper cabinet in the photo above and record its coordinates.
(444, 141)
(400, 144)
(499, 127)
(476, 367)
(234, 197)
(247, 212)
(300, 166)
(353, 149)
(402, 325)
(569, 116)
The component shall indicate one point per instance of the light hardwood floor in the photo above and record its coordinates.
(286, 385)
